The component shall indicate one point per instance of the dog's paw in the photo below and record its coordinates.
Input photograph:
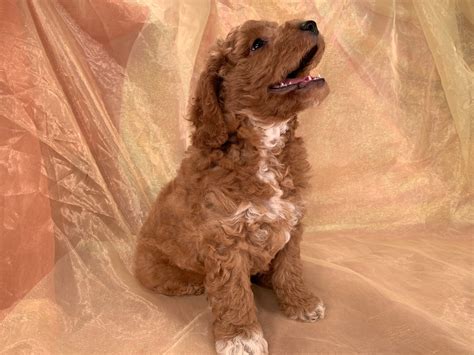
(239, 345)
(307, 313)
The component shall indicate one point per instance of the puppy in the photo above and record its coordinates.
(234, 209)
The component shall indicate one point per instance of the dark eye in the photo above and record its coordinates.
(258, 43)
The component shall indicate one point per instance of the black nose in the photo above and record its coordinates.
(309, 26)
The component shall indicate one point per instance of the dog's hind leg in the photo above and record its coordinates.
(155, 272)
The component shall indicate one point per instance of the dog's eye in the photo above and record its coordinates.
(258, 43)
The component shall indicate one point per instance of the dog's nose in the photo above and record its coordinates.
(309, 26)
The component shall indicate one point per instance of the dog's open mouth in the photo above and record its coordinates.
(295, 82)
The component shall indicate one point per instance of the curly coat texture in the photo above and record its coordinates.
(234, 209)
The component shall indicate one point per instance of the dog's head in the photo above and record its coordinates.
(262, 70)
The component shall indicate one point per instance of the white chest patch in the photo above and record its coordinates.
(273, 141)
(276, 216)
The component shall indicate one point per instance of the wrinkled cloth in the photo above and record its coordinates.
(93, 100)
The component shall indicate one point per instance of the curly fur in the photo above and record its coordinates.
(234, 209)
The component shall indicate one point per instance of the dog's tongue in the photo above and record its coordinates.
(293, 81)
(299, 82)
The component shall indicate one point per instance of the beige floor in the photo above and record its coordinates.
(385, 293)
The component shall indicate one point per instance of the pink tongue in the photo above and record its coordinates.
(297, 80)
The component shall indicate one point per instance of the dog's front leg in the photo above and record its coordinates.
(227, 284)
(295, 300)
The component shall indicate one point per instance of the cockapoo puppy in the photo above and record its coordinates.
(234, 209)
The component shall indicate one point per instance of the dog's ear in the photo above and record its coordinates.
(206, 112)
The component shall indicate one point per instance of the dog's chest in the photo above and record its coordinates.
(273, 172)
(268, 223)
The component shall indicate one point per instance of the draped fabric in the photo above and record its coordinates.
(93, 100)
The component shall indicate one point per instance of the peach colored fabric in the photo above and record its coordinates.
(93, 96)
